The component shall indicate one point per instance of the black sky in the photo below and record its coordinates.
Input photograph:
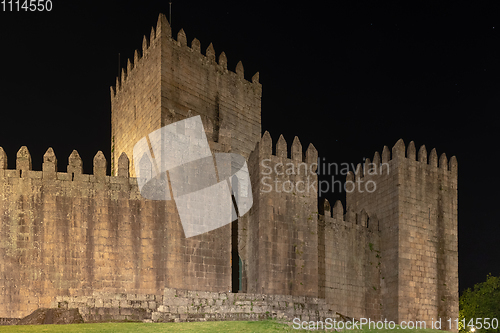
(348, 76)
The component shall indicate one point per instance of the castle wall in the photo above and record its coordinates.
(93, 238)
(282, 246)
(194, 305)
(136, 102)
(173, 81)
(350, 262)
(195, 84)
(71, 234)
(416, 204)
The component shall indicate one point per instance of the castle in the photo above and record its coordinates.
(69, 239)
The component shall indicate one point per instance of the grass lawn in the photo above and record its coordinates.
(213, 326)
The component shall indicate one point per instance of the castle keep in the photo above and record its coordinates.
(69, 239)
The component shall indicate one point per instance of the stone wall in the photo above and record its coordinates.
(66, 234)
(71, 234)
(282, 242)
(173, 305)
(350, 261)
(172, 81)
(416, 204)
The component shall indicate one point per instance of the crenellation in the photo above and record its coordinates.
(309, 157)
(23, 160)
(123, 77)
(181, 38)
(129, 66)
(123, 166)
(312, 156)
(414, 202)
(422, 154)
(297, 154)
(433, 158)
(391, 253)
(195, 45)
(3, 159)
(368, 167)
(100, 166)
(443, 162)
(281, 147)
(453, 167)
(376, 162)
(145, 45)
(411, 151)
(49, 166)
(325, 208)
(223, 60)
(163, 28)
(266, 144)
(210, 53)
(239, 70)
(75, 164)
(338, 211)
(255, 78)
(398, 150)
(152, 37)
(386, 155)
(136, 58)
(74, 173)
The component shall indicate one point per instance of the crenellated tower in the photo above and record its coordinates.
(416, 202)
(94, 241)
(281, 244)
(169, 81)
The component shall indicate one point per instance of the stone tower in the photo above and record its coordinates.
(416, 204)
(92, 241)
(172, 81)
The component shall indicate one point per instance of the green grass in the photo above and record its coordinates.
(213, 326)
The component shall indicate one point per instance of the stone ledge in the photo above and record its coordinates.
(178, 305)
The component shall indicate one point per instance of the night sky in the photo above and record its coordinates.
(348, 76)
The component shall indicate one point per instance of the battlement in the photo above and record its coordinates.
(348, 218)
(169, 81)
(392, 252)
(74, 171)
(163, 30)
(380, 164)
(415, 193)
(265, 146)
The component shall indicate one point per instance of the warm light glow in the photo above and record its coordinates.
(473, 329)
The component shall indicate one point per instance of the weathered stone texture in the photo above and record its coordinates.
(350, 262)
(416, 204)
(74, 234)
(45, 316)
(171, 82)
(175, 305)
(282, 242)
(92, 242)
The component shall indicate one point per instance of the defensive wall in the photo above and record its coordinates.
(70, 234)
(68, 239)
(67, 234)
(416, 204)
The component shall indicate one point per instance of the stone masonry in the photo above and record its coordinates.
(92, 242)
(175, 305)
